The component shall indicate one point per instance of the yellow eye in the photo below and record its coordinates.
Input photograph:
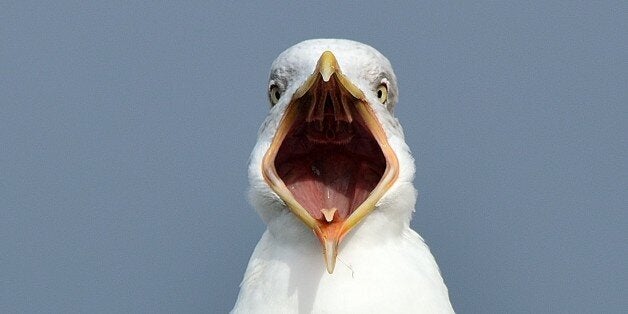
(274, 94)
(382, 93)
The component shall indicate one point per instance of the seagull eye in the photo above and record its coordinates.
(274, 93)
(382, 93)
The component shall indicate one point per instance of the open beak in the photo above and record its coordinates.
(330, 160)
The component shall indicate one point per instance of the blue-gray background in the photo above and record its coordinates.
(125, 130)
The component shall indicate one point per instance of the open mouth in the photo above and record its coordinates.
(330, 160)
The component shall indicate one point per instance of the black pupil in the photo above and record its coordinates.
(277, 94)
(380, 93)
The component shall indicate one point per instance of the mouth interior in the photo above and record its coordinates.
(329, 159)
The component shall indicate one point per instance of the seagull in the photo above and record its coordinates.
(331, 176)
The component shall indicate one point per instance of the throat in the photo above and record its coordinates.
(330, 181)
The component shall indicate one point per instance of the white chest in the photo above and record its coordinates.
(397, 276)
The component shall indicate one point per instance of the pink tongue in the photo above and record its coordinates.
(335, 179)
(329, 182)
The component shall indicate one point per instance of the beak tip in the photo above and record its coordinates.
(326, 74)
(330, 252)
(327, 65)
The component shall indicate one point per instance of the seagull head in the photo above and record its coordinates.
(331, 153)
